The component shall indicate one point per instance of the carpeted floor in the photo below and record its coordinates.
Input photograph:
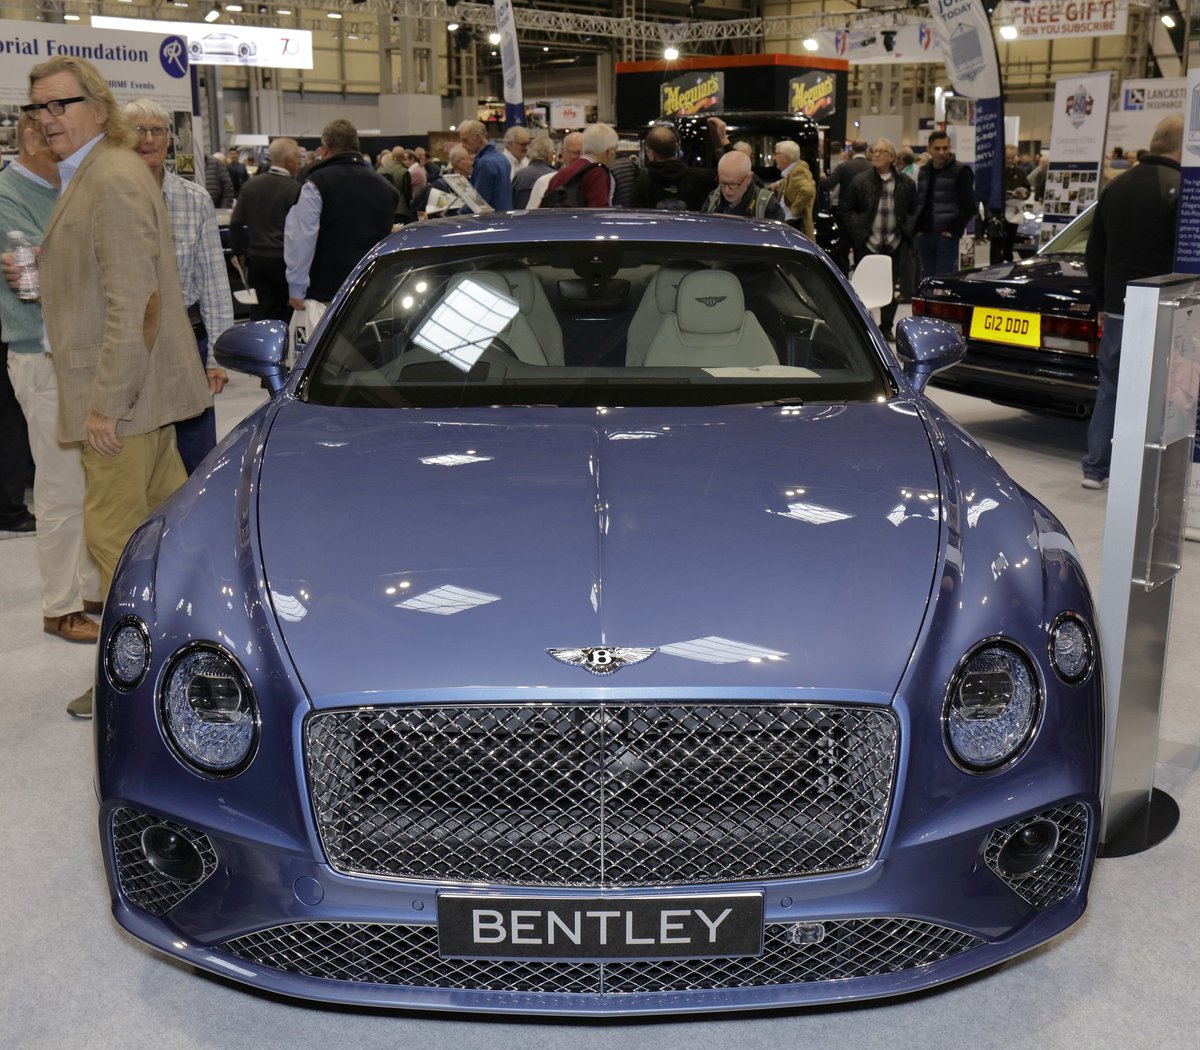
(1123, 977)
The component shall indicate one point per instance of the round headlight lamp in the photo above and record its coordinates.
(1072, 654)
(208, 710)
(991, 707)
(127, 654)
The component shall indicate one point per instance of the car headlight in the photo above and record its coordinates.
(209, 711)
(127, 654)
(991, 707)
(1072, 654)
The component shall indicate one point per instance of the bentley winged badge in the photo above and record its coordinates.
(601, 659)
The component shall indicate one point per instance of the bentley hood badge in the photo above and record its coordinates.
(601, 659)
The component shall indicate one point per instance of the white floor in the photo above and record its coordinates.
(1124, 977)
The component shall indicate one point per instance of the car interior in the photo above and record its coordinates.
(573, 316)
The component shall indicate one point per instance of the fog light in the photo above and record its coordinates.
(1072, 654)
(1029, 849)
(172, 854)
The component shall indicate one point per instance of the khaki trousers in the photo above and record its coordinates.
(69, 575)
(123, 489)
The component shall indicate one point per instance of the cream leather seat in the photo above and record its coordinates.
(518, 334)
(710, 327)
(537, 311)
(658, 301)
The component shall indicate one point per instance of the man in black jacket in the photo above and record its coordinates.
(836, 184)
(881, 213)
(946, 203)
(343, 210)
(1132, 236)
(256, 229)
(664, 177)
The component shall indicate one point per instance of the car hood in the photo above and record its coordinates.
(752, 548)
(1045, 282)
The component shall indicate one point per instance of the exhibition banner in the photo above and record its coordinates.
(964, 36)
(901, 42)
(135, 65)
(813, 95)
(1058, 19)
(568, 114)
(210, 44)
(1141, 105)
(510, 64)
(1077, 134)
(1187, 236)
(692, 93)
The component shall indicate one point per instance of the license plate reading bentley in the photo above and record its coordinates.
(1014, 327)
(471, 926)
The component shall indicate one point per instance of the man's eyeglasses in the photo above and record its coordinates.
(156, 132)
(882, 153)
(732, 185)
(56, 106)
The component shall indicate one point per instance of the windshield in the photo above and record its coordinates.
(595, 324)
(1073, 238)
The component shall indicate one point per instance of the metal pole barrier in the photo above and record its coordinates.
(1142, 553)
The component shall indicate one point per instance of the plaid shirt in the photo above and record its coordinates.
(198, 254)
(884, 233)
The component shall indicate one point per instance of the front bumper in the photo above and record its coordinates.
(289, 924)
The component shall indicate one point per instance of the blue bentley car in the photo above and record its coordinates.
(1032, 327)
(598, 620)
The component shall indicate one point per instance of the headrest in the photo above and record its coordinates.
(710, 302)
(666, 284)
(520, 281)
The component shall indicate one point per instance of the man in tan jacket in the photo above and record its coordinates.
(797, 188)
(122, 346)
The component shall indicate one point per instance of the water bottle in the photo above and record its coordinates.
(28, 282)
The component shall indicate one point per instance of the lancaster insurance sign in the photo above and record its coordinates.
(1064, 19)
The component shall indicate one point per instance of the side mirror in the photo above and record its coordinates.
(258, 349)
(927, 345)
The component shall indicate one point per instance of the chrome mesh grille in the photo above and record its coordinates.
(1060, 875)
(603, 794)
(408, 956)
(143, 884)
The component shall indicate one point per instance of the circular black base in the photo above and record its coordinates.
(1145, 829)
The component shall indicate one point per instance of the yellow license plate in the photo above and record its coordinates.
(1013, 327)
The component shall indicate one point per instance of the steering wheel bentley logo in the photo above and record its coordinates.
(601, 659)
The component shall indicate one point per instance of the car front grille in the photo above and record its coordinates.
(408, 955)
(601, 795)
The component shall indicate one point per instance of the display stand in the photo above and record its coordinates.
(1142, 554)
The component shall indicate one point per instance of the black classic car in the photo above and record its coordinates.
(1032, 327)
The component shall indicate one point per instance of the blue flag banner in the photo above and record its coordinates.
(964, 34)
(510, 64)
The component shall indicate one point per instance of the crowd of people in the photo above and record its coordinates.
(111, 367)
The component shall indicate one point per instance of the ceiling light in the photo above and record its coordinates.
(1009, 32)
(333, 14)
(70, 18)
(670, 53)
(547, 48)
(811, 44)
(451, 27)
(1168, 21)
(213, 15)
(493, 38)
(234, 8)
(283, 11)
